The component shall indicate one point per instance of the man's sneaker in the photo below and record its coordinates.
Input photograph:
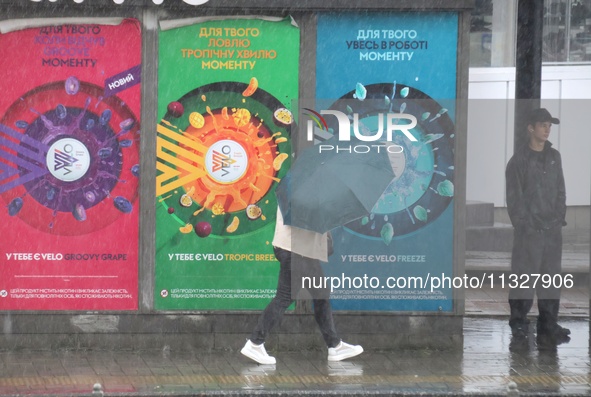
(552, 329)
(343, 351)
(257, 353)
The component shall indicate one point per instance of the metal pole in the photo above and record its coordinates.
(528, 63)
(569, 7)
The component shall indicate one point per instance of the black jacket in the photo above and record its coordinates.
(536, 196)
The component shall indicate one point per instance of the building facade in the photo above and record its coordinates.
(566, 92)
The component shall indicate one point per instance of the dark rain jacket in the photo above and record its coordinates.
(536, 195)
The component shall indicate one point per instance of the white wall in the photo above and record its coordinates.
(566, 93)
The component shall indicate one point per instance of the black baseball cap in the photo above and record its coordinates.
(541, 116)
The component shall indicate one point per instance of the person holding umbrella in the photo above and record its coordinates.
(536, 203)
(321, 191)
(298, 260)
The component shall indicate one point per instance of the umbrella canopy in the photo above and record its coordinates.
(329, 188)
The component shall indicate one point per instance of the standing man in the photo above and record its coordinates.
(536, 202)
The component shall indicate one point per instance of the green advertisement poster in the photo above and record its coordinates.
(225, 88)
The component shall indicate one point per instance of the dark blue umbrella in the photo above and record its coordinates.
(327, 188)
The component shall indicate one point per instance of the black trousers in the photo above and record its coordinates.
(288, 287)
(535, 252)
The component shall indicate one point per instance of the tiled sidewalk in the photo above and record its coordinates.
(490, 363)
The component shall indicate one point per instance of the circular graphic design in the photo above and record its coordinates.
(78, 158)
(68, 159)
(423, 186)
(243, 151)
(226, 161)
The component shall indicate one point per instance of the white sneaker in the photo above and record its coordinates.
(257, 353)
(343, 351)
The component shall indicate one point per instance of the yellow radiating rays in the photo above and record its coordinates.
(182, 159)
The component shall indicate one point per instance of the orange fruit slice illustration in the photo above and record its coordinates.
(232, 227)
(188, 228)
(252, 87)
(278, 161)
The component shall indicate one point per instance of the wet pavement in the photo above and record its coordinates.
(488, 365)
(491, 362)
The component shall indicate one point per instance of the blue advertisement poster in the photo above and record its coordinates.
(381, 69)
